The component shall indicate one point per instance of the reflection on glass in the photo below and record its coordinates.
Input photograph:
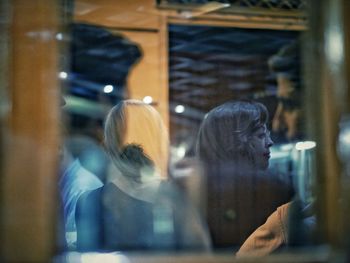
(137, 208)
(149, 160)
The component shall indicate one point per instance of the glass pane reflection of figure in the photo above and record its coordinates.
(234, 147)
(137, 209)
(75, 180)
(292, 224)
(286, 123)
(96, 53)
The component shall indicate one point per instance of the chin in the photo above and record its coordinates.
(264, 166)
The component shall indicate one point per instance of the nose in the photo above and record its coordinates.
(269, 141)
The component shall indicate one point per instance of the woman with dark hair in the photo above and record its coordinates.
(137, 209)
(227, 135)
(234, 148)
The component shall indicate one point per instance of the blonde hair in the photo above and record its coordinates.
(136, 139)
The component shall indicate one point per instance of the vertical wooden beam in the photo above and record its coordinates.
(325, 105)
(4, 99)
(31, 152)
(345, 183)
(164, 69)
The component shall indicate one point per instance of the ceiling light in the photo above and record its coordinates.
(179, 108)
(108, 89)
(63, 75)
(307, 145)
(148, 99)
(59, 36)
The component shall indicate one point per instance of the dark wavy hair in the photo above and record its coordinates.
(225, 132)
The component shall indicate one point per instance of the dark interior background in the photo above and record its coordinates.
(210, 65)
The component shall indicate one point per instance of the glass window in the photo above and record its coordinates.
(162, 130)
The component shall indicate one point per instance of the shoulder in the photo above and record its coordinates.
(76, 178)
(276, 223)
(89, 201)
(268, 237)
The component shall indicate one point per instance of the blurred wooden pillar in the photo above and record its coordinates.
(31, 148)
(345, 182)
(326, 103)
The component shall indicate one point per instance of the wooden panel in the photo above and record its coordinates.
(141, 22)
(145, 78)
(163, 54)
(144, 14)
(29, 180)
(121, 14)
(239, 21)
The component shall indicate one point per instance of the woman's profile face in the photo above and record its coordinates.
(261, 143)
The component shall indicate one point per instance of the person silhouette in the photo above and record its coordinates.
(233, 146)
(137, 208)
(83, 162)
(286, 122)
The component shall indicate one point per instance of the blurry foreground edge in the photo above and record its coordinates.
(318, 254)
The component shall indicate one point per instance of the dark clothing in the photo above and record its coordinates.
(240, 201)
(109, 219)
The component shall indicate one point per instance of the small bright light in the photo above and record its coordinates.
(186, 14)
(179, 109)
(103, 257)
(345, 137)
(63, 75)
(307, 145)
(334, 45)
(148, 99)
(181, 151)
(59, 36)
(108, 89)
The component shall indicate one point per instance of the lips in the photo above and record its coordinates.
(267, 155)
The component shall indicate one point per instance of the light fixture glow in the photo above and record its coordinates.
(108, 89)
(307, 145)
(181, 151)
(179, 108)
(345, 137)
(63, 75)
(148, 99)
(102, 257)
(59, 36)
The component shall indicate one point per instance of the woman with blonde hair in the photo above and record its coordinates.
(137, 209)
(135, 136)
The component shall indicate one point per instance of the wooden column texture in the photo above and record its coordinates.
(29, 182)
(325, 104)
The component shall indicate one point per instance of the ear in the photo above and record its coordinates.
(245, 146)
(243, 141)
